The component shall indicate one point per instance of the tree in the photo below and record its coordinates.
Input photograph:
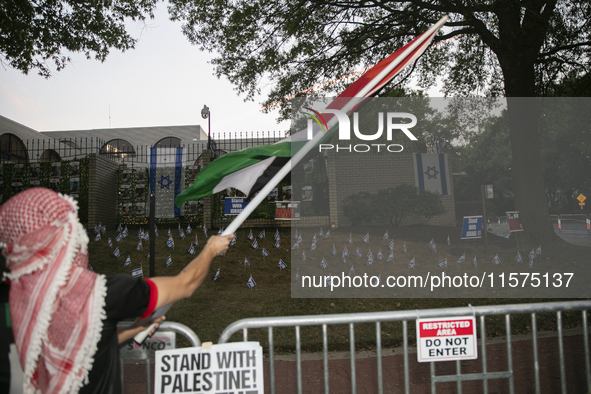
(522, 48)
(32, 33)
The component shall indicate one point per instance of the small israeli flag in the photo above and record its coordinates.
(125, 232)
(98, 237)
(277, 244)
(358, 253)
(380, 256)
(531, 264)
(323, 264)
(119, 237)
(385, 236)
(366, 238)
(116, 252)
(217, 274)
(169, 261)
(282, 265)
(296, 234)
(404, 247)
(189, 229)
(412, 263)
(205, 230)
(351, 271)
(327, 234)
(251, 283)
(140, 234)
(442, 263)
(276, 237)
(390, 257)
(137, 272)
(532, 255)
(220, 231)
(391, 245)
(265, 253)
(461, 259)
(295, 246)
(304, 255)
(350, 240)
(233, 241)
(369, 262)
(262, 234)
(146, 236)
(182, 234)
(250, 236)
(119, 228)
(433, 246)
(539, 250)
(255, 244)
(475, 262)
(496, 260)
(328, 280)
(169, 234)
(448, 241)
(97, 228)
(334, 250)
(320, 233)
(518, 258)
(300, 238)
(148, 256)
(104, 229)
(139, 245)
(246, 262)
(345, 252)
(127, 261)
(314, 239)
(192, 249)
(297, 276)
(344, 260)
(170, 243)
(313, 247)
(370, 255)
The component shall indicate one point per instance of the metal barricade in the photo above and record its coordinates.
(404, 317)
(163, 338)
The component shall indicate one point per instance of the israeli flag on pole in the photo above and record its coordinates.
(314, 239)
(169, 261)
(300, 238)
(461, 259)
(442, 263)
(390, 257)
(404, 247)
(351, 271)
(539, 250)
(323, 264)
(169, 233)
(233, 241)
(412, 263)
(119, 228)
(167, 179)
(250, 236)
(518, 258)
(170, 243)
(146, 236)
(140, 233)
(262, 234)
(530, 264)
(366, 238)
(119, 237)
(116, 252)
(98, 237)
(182, 234)
(320, 233)
(127, 261)
(334, 250)
(369, 262)
(431, 172)
(137, 272)
(433, 246)
(97, 228)
(532, 255)
(297, 276)
(358, 253)
(220, 231)
(350, 240)
(370, 255)
(265, 253)
(125, 232)
(313, 247)
(192, 249)
(328, 280)
(496, 260)
(139, 245)
(475, 262)
(380, 256)
(282, 265)
(217, 274)
(277, 237)
(385, 236)
(189, 229)
(277, 245)
(295, 246)
(251, 283)
(391, 245)
(205, 230)
(246, 262)
(255, 244)
(345, 252)
(303, 255)
(344, 260)
(104, 229)
(327, 234)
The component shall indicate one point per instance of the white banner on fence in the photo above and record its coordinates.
(229, 368)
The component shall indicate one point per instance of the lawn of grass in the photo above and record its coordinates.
(218, 303)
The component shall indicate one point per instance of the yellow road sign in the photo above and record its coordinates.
(581, 197)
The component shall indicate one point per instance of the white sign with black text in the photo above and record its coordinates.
(446, 339)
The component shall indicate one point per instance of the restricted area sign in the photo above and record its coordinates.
(446, 339)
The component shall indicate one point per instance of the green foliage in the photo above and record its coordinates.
(392, 204)
(32, 33)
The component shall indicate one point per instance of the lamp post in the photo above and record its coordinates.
(205, 114)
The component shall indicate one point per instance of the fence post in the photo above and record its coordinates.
(207, 201)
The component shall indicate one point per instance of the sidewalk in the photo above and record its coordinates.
(393, 369)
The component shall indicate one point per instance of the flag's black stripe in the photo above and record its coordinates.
(269, 173)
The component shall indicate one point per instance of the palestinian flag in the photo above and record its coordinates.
(250, 169)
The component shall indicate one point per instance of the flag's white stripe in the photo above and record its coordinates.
(245, 178)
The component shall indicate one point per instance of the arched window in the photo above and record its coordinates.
(49, 156)
(168, 142)
(119, 148)
(12, 149)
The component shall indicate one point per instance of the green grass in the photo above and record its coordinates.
(217, 304)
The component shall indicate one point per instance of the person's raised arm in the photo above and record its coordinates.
(175, 288)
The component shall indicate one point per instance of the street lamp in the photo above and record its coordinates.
(205, 114)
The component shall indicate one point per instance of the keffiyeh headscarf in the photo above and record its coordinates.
(56, 303)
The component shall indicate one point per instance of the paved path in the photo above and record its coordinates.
(393, 370)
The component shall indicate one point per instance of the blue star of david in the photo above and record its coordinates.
(165, 182)
(431, 172)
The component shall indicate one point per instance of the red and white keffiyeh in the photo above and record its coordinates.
(56, 303)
